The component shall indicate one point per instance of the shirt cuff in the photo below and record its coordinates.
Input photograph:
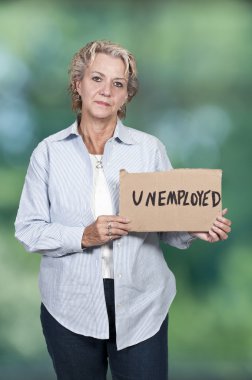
(72, 237)
(191, 239)
(186, 239)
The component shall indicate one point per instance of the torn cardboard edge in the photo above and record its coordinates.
(175, 200)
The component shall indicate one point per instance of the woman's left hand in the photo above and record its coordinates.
(219, 230)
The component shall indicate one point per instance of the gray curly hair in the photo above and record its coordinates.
(86, 55)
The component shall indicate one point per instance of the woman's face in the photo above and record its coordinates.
(103, 88)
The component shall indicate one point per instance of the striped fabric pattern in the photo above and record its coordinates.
(55, 208)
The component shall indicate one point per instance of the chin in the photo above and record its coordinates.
(104, 115)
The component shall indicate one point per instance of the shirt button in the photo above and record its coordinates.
(118, 243)
(119, 275)
(119, 305)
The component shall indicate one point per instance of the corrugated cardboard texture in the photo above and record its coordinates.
(176, 200)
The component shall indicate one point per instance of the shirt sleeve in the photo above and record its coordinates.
(33, 227)
(180, 240)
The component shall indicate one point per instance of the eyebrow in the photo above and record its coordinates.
(98, 72)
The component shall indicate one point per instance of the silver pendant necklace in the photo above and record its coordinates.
(99, 164)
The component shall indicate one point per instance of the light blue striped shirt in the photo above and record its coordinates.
(55, 208)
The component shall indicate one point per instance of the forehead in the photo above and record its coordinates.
(108, 65)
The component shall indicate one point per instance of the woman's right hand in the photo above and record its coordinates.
(105, 229)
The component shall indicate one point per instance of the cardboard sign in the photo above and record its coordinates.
(176, 200)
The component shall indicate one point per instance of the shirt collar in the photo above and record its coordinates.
(121, 133)
(74, 129)
(65, 133)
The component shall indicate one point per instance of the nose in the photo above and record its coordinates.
(106, 89)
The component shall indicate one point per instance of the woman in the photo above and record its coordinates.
(105, 291)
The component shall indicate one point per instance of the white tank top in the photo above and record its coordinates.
(102, 205)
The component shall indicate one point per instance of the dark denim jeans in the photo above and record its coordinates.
(78, 357)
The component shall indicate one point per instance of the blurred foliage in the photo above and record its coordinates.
(194, 61)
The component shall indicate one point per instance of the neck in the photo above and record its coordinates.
(95, 133)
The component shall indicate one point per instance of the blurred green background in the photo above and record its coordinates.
(194, 61)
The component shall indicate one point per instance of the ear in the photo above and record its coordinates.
(78, 86)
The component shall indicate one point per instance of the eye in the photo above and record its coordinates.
(118, 84)
(96, 78)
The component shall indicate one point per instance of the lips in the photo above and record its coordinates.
(102, 103)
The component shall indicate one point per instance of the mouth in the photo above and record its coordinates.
(102, 103)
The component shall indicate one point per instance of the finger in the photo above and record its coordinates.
(117, 231)
(222, 234)
(223, 226)
(224, 211)
(213, 237)
(114, 218)
(118, 225)
(224, 220)
(113, 237)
